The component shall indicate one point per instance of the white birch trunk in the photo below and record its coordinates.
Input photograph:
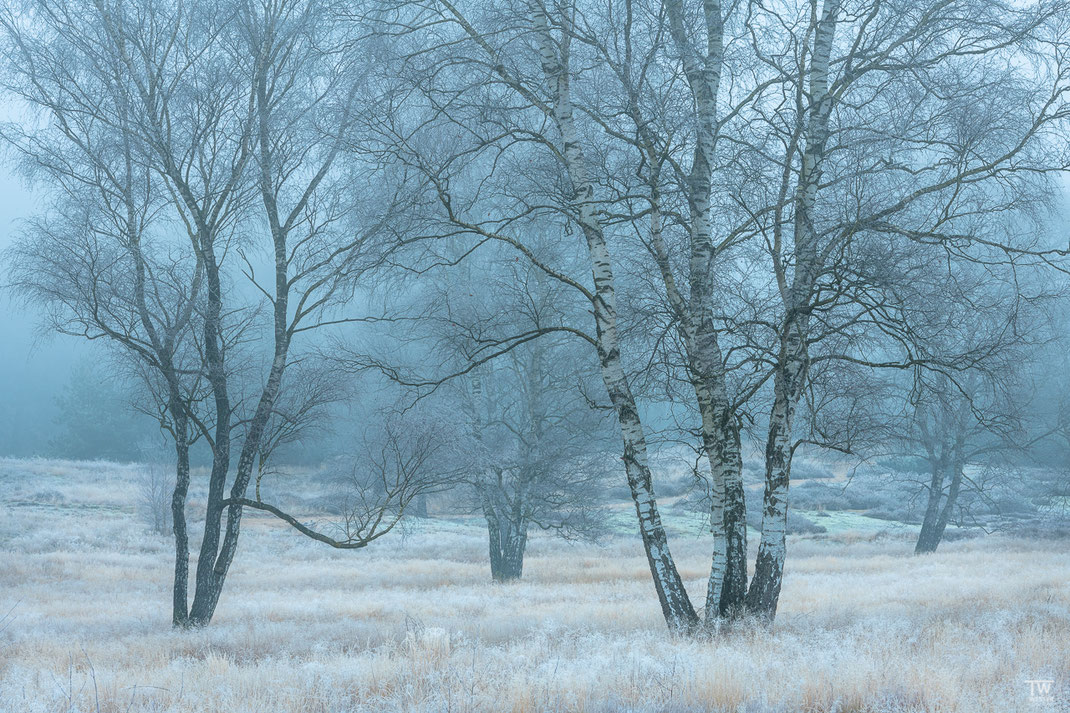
(676, 606)
(793, 359)
(720, 435)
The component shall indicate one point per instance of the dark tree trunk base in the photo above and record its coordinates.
(507, 541)
(734, 590)
(764, 592)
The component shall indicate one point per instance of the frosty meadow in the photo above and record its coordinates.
(415, 623)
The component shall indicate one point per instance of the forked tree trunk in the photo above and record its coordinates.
(219, 557)
(507, 526)
(258, 424)
(208, 587)
(727, 584)
(205, 605)
(216, 559)
(731, 601)
(507, 540)
(720, 439)
(696, 317)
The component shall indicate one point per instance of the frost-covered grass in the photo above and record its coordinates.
(413, 624)
(847, 521)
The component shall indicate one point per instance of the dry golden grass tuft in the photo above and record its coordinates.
(413, 624)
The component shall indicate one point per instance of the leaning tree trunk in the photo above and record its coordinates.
(926, 538)
(727, 583)
(207, 588)
(764, 592)
(675, 604)
(180, 590)
(952, 498)
(936, 517)
(791, 373)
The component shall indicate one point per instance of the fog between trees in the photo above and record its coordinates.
(514, 251)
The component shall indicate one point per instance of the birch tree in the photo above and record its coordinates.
(974, 422)
(104, 264)
(537, 444)
(895, 126)
(235, 116)
(519, 62)
(539, 462)
(661, 99)
(102, 277)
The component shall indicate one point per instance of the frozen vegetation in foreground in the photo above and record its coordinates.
(414, 623)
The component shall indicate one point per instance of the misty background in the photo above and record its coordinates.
(60, 398)
(49, 381)
(37, 364)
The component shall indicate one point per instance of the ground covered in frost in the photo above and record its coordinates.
(413, 624)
